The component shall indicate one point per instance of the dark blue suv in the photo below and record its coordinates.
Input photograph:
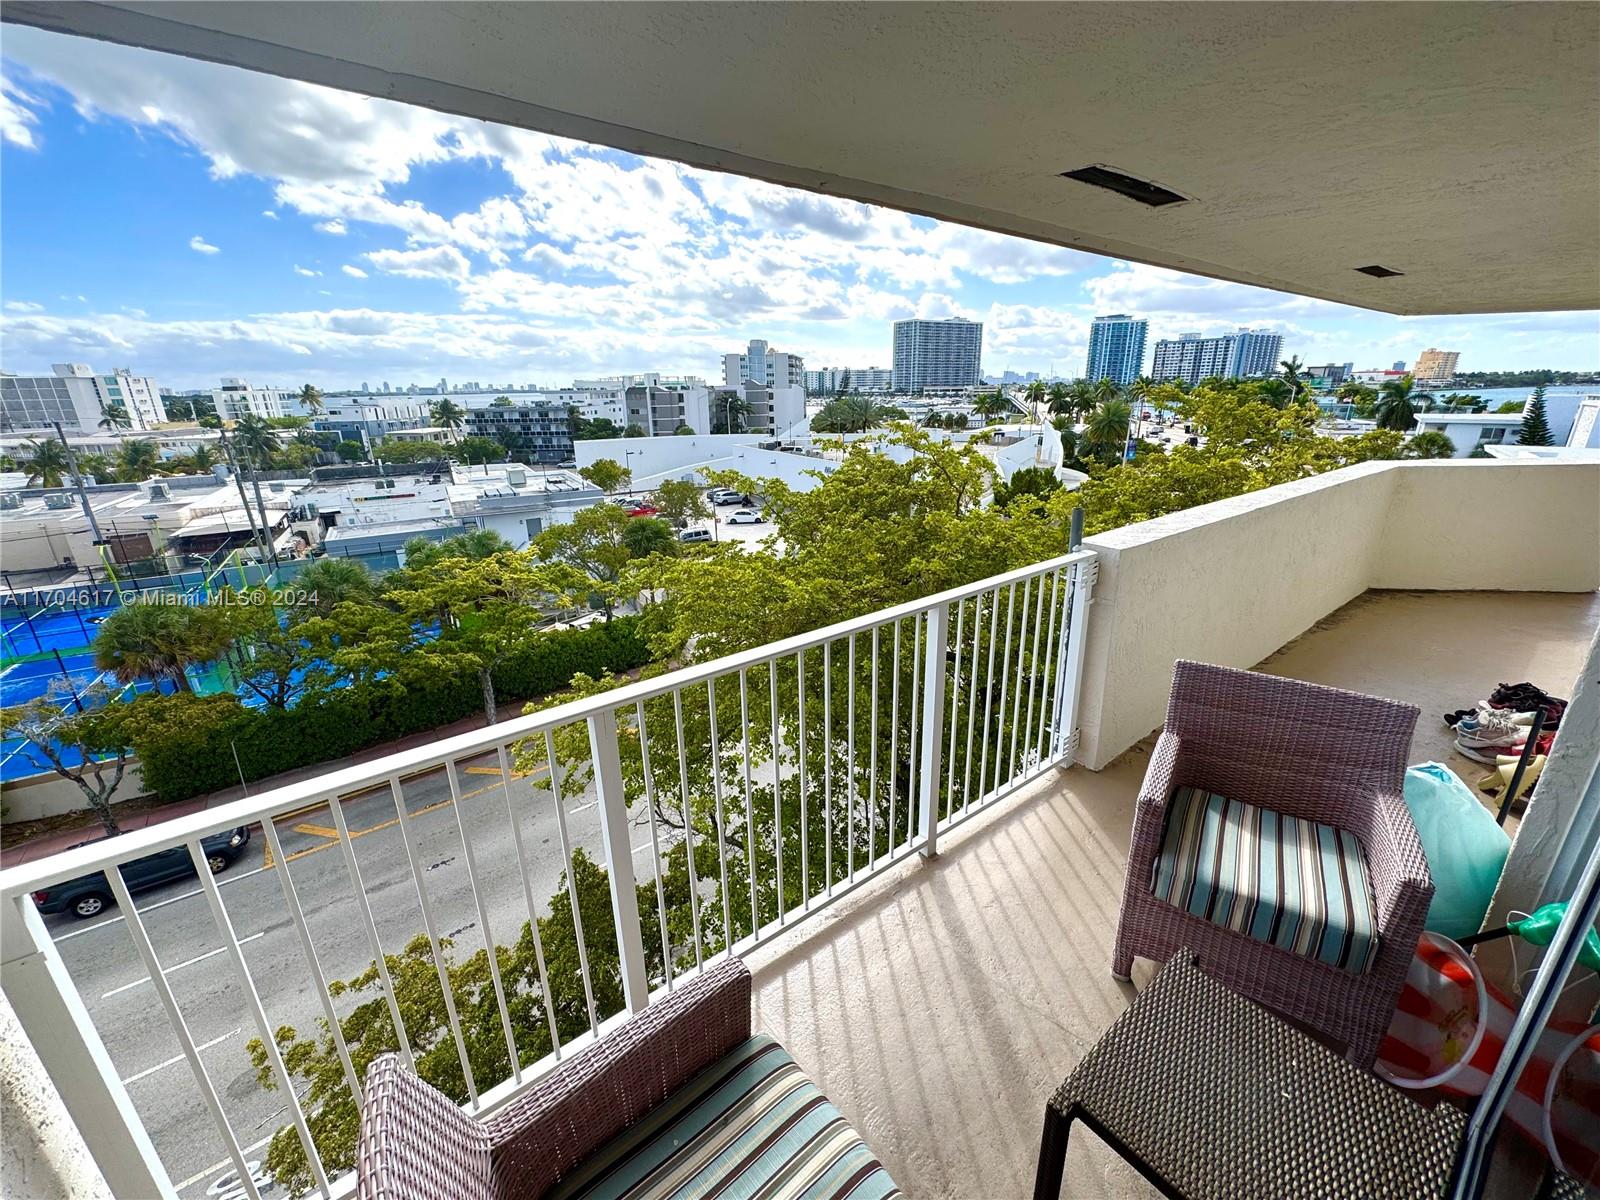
(90, 895)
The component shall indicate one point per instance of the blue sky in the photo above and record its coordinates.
(191, 221)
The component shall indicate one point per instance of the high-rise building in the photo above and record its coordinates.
(1116, 348)
(1436, 366)
(78, 398)
(1255, 352)
(1191, 357)
(760, 363)
(937, 354)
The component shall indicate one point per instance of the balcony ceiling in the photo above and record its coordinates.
(1453, 142)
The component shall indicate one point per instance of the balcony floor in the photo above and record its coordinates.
(939, 1006)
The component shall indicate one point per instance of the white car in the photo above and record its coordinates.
(744, 516)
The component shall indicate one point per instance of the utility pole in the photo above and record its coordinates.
(77, 479)
(244, 500)
(266, 526)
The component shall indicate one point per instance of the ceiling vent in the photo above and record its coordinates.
(1378, 272)
(1142, 190)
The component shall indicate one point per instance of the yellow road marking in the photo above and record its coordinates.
(318, 830)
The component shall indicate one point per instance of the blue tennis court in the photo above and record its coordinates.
(67, 627)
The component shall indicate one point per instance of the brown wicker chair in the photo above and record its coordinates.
(416, 1144)
(1315, 753)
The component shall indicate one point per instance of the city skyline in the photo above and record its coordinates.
(353, 240)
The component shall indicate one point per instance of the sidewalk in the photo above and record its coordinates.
(61, 839)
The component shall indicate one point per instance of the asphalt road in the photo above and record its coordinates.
(113, 981)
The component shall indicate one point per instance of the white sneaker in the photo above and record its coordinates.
(1495, 727)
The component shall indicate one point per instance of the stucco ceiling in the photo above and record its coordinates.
(1456, 143)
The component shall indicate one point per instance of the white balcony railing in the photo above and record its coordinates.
(776, 780)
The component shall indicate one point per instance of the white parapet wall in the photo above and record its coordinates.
(1234, 581)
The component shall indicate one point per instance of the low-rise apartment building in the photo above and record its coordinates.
(76, 398)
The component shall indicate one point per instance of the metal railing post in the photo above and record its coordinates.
(607, 759)
(1069, 678)
(932, 728)
(63, 1035)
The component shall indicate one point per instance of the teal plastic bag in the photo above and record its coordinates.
(1466, 850)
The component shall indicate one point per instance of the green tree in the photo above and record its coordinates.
(327, 582)
(683, 431)
(476, 451)
(311, 399)
(1535, 425)
(635, 431)
(96, 466)
(1105, 432)
(501, 402)
(1463, 402)
(138, 458)
(1428, 445)
(645, 536)
(1060, 400)
(680, 501)
(421, 552)
(202, 459)
(1299, 386)
(1512, 406)
(1363, 400)
(272, 659)
(396, 450)
(487, 608)
(115, 417)
(853, 414)
(607, 474)
(255, 440)
(88, 722)
(46, 463)
(1397, 403)
(730, 411)
(159, 641)
(1035, 395)
(992, 406)
(1038, 482)
(448, 415)
(351, 452)
(592, 542)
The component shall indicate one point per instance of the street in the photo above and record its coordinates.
(116, 988)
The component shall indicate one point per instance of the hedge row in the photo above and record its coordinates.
(186, 744)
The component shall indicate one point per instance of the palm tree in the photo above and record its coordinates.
(311, 399)
(158, 641)
(138, 459)
(1035, 395)
(255, 439)
(1277, 392)
(992, 405)
(1105, 432)
(1397, 403)
(1463, 400)
(1060, 399)
(447, 414)
(1292, 367)
(98, 465)
(852, 414)
(332, 581)
(735, 408)
(46, 463)
(115, 416)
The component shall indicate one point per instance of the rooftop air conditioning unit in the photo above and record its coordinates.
(516, 477)
(277, 487)
(160, 491)
(9, 501)
(59, 500)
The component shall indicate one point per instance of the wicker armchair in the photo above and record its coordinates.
(1313, 753)
(683, 1074)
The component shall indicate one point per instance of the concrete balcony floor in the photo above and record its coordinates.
(938, 1007)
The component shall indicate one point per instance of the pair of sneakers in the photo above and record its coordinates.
(1490, 727)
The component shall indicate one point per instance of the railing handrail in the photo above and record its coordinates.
(82, 860)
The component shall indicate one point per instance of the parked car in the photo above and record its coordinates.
(744, 516)
(642, 510)
(90, 895)
(695, 535)
(724, 496)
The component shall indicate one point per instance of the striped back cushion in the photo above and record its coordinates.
(751, 1126)
(1298, 885)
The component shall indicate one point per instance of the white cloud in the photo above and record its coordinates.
(438, 262)
(306, 271)
(23, 306)
(198, 243)
(335, 227)
(17, 117)
(269, 214)
(353, 272)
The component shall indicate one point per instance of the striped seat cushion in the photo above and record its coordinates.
(749, 1127)
(1299, 885)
